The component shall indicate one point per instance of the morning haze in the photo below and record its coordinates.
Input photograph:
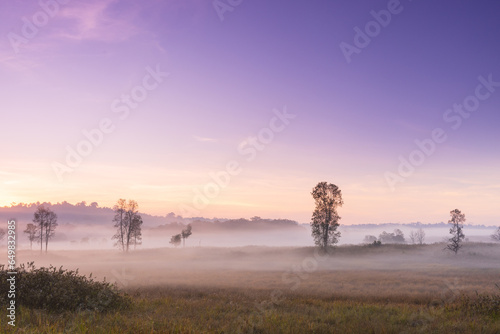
(234, 166)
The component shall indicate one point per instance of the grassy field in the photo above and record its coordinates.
(391, 289)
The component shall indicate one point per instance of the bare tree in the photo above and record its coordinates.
(128, 224)
(420, 236)
(413, 237)
(45, 222)
(496, 236)
(175, 240)
(2, 233)
(417, 237)
(324, 222)
(31, 231)
(457, 220)
(185, 234)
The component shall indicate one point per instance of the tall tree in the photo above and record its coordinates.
(324, 222)
(31, 231)
(128, 224)
(133, 221)
(457, 220)
(120, 208)
(45, 222)
(137, 231)
(50, 227)
(185, 234)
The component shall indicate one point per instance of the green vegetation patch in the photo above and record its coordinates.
(57, 289)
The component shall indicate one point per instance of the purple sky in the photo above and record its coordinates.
(353, 120)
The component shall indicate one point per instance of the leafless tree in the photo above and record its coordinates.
(420, 236)
(31, 231)
(2, 233)
(457, 220)
(496, 236)
(417, 237)
(324, 222)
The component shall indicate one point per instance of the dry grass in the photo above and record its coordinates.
(391, 289)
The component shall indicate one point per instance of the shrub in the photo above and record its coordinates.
(54, 289)
(482, 304)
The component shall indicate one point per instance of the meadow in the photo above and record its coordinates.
(355, 289)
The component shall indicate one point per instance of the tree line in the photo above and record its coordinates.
(325, 222)
(324, 225)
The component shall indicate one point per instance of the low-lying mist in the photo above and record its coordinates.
(394, 269)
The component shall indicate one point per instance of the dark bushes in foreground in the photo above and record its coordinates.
(54, 289)
(482, 304)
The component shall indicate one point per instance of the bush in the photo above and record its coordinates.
(482, 304)
(55, 289)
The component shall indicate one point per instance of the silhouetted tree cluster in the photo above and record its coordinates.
(457, 220)
(397, 237)
(185, 233)
(128, 224)
(45, 225)
(175, 240)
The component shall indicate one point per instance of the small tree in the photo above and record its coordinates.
(457, 220)
(2, 233)
(420, 236)
(496, 236)
(324, 222)
(369, 239)
(31, 231)
(185, 234)
(417, 237)
(175, 240)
